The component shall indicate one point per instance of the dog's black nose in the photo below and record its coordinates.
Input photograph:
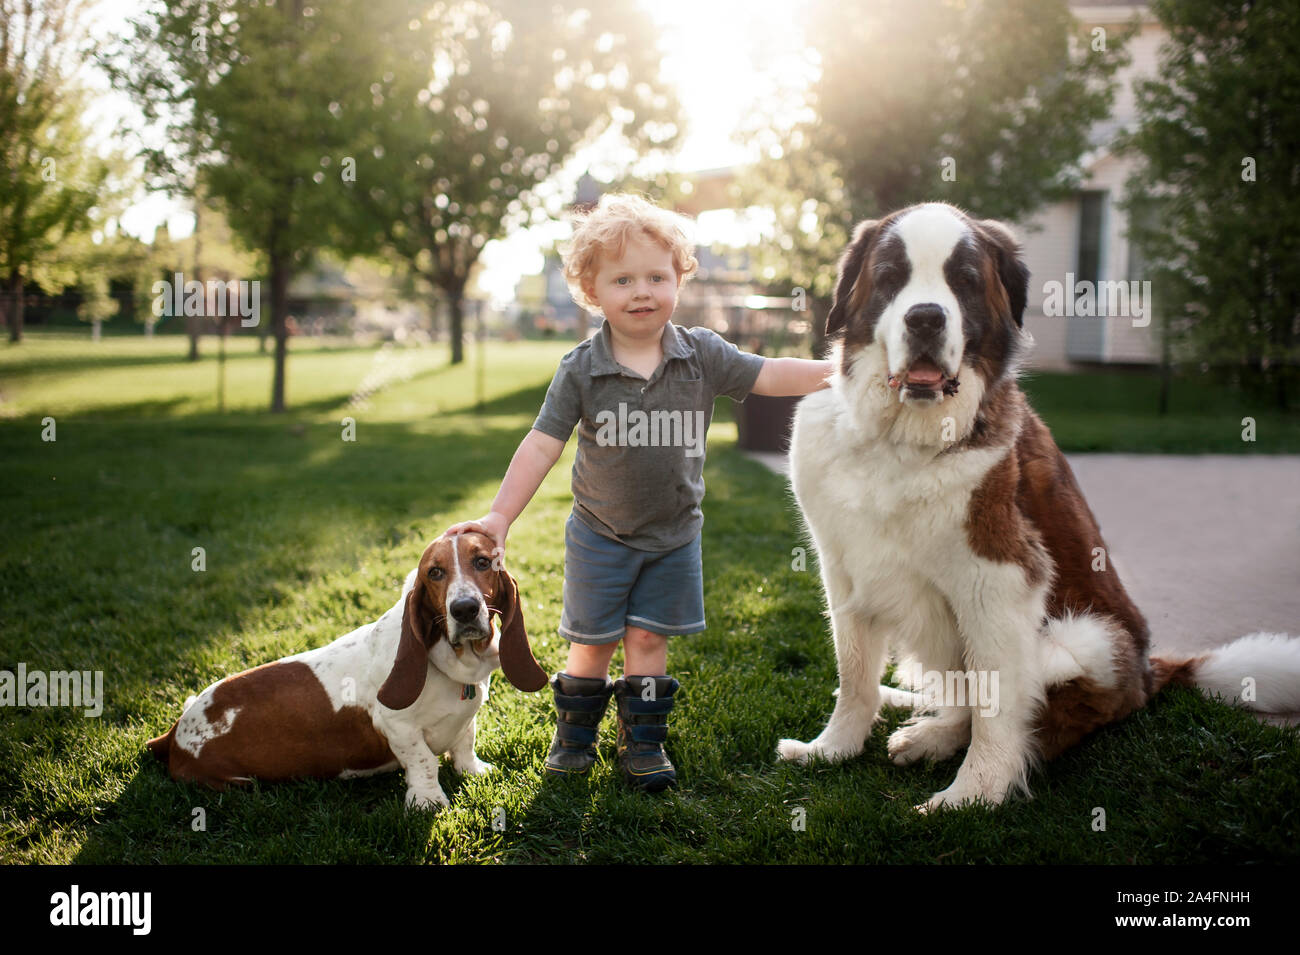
(464, 609)
(924, 326)
(925, 320)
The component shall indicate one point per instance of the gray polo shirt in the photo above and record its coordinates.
(639, 473)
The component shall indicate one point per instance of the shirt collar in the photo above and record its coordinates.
(602, 348)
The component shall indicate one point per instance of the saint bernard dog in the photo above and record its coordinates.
(950, 529)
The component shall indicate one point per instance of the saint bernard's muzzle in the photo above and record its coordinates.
(942, 293)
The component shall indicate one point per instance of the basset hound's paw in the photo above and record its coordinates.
(474, 767)
(426, 798)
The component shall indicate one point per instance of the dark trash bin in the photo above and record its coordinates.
(763, 422)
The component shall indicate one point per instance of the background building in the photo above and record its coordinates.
(1086, 235)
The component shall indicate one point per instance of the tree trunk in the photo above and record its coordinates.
(14, 293)
(223, 327)
(456, 331)
(194, 323)
(1166, 365)
(279, 324)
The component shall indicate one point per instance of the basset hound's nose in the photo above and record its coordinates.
(464, 609)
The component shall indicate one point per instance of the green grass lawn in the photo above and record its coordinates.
(308, 536)
(1117, 412)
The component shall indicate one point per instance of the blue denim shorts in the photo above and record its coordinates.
(609, 586)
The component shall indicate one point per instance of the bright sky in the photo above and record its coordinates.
(727, 59)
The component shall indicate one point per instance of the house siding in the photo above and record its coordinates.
(1051, 235)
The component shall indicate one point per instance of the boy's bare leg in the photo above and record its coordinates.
(591, 661)
(644, 653)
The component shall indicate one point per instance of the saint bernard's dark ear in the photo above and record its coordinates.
(517, 660)
(1011, 267)
(406, 678)
(851, 263)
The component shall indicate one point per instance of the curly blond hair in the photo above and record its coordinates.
(604, 231)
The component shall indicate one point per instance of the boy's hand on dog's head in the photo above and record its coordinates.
(494, 525)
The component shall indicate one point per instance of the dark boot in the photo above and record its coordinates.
(579, 704)
(643, 729)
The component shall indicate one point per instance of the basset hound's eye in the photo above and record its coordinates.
(482, 563)
(436, 573)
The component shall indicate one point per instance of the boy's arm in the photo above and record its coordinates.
(533, 460)
(792, 376)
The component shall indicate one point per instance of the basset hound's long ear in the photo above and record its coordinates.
(406, 679)
(517, 660)
(855, 256)
(1012, 271)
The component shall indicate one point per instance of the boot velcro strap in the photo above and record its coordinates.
(635, 704)
(648, 732)
(581, 704)
(576, 733)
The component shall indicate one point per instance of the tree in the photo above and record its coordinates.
(987, 105)
(51, 181)
(493, 100)
(801, 196)
(259, 102)
(1214, 201)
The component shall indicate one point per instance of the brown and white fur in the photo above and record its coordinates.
(950, 528)
(396, 692)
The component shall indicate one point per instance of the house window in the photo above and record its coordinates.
(1085, 336)
(1092, 205)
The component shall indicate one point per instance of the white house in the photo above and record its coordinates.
(1083, 239)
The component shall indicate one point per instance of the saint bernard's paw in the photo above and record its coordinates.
(927, 739)
(958, 795)
(796, 752)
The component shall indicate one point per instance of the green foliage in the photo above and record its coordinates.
(260, 102)
(482, 107)
(1003, 88)
(259, 99)
(54, 187)
(987, 105)
(1214, 201)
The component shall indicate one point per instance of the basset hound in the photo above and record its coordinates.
(395, 692)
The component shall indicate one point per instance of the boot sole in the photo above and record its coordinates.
(650, 783)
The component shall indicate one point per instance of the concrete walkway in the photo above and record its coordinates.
(1208, 546)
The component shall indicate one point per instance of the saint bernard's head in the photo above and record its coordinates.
(936, 297)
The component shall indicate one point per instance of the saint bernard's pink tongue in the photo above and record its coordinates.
(925, 373)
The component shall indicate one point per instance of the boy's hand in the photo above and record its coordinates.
(494, 525)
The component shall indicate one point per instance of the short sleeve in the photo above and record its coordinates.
(562, 409)
(730, 371)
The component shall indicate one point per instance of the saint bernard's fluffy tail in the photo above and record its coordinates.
(1258, 672)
